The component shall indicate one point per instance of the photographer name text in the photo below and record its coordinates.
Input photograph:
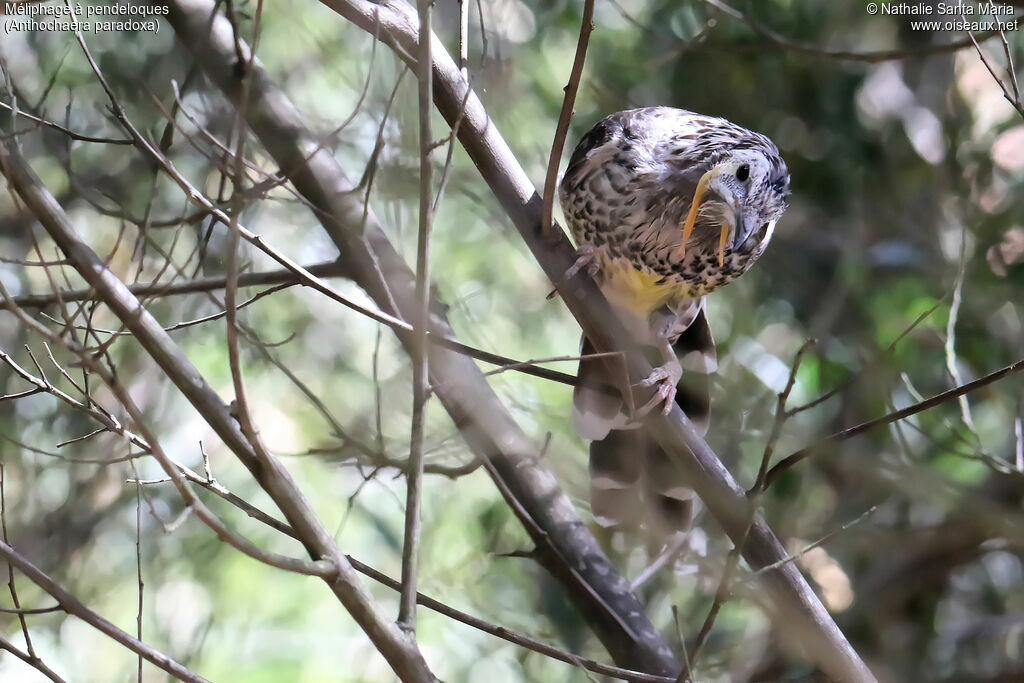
(949, 16)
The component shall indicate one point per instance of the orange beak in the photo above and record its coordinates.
(726, 229)
(691, 216)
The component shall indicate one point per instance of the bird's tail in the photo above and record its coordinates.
(633, 482)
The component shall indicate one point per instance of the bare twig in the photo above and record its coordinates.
(287, 276)
(16, 112)
(463, 38)
(673, 550)
(32, 661)
(104, 418)
(1010, 69)
(243, 67)
(10, 569)
(804, 453)
(153, 290)
(1018, 432)
(781, 415)
(821, 541)
(1012, 97)
(32, 610)
(420, 357)
(754, 494)
(877, 359)
(70, 604)
(950, 346)
(565, 115)
(138, 568)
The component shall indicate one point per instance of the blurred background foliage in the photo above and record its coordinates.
(907, 175)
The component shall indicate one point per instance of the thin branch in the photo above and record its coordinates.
(781, 415)
(33, 610)
(138, 568)
(151, 290)
(1014, 97)
(70, 604)
(11, 586)
(974, 450)
(1018, 431)
(672, 551)
(32, 661)
(66, 131)
(876, 360)
(242, 65)
(420, 358)
(565, 115)
(463, 38)
(804, 453)
(811, 546)
(950, 345)
(723, 591)
(104, 418)
(1010, 70)
(287, 276)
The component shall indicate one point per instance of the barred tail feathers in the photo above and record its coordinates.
(632, 480)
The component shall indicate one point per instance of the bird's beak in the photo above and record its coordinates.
(698, 197)
(745, 226)
(740, 231)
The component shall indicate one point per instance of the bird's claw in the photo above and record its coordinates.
(586, 257)
(665, 377)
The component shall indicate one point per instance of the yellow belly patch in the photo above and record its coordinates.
(634, 290)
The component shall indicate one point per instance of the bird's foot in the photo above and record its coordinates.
(665, 377)
(586, 257)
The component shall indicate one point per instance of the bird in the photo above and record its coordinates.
(666, 206)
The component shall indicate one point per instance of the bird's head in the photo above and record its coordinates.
(749, 181)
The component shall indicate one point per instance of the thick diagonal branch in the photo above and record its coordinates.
(564, 545)
(400, 651)
(797, 609)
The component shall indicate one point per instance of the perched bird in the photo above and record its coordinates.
(666, 206)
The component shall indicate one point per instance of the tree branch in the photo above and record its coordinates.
(70, 604)
(796, 608)
(565, 115)
(564, 545)
(399, 651)
(946, 396)
(419, 352)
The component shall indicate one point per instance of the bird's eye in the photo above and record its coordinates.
(743, 172)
